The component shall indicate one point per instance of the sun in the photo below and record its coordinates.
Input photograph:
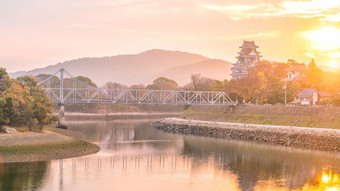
(326, 39)
(334, 64)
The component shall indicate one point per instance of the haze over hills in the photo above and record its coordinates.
(141, 68)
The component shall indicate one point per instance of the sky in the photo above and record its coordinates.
(38, 33)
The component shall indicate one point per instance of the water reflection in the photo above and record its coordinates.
(22, 176)
(255, 163)
(135, 156)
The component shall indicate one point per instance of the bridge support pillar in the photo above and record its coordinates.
(61, 115)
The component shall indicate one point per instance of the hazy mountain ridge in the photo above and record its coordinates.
(140, 68)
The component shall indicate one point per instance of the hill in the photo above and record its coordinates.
(140, 68)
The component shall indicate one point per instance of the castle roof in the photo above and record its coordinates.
(248, 44)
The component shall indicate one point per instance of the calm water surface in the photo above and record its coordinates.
(134, 156)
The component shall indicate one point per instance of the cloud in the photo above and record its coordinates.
(331, 18)
(256, 35)
(325, 10)
(323, 42)
(231, 8)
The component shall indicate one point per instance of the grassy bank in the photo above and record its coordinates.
(26, 147)
(319, 117)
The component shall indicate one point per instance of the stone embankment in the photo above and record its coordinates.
(300, 137)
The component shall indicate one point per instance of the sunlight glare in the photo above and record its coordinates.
(334, 64)
(325, 39)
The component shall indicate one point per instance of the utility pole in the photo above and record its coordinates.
(285, 92)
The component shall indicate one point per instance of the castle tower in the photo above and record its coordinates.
(248, 58)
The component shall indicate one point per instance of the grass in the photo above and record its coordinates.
(287, 116)
(43, 151)
(49, 151)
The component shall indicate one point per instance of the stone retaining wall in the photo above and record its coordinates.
(300, 137)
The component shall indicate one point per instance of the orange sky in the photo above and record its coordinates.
(37, 33)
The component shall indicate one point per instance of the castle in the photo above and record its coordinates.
(248, 58)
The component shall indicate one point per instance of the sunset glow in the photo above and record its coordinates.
(325, 39)
(58, 31)
(334, 64)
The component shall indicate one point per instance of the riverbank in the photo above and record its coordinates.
(32, 146)
(120, 115)
(302, 116)
(299, 137)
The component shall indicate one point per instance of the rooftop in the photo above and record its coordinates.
(324, 94)
(297, 67)
(249, 44)
(307, 93)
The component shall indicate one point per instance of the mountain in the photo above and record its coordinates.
(140, 68)
(212, 68)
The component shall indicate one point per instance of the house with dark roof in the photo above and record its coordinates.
(308, 97)
(324, 97)
(312, 97)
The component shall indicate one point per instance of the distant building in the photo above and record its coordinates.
(248, 58)
(312, 97)
(308, 97)
(296, 71)
(324, 97)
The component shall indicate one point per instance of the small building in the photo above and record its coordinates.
(247, 59)
(324, 97)
(296, 71)
(308, 97)
(312, 97)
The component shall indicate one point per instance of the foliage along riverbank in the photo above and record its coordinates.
(319, 117)
(23, 103)
(32, 146)
(299, 137)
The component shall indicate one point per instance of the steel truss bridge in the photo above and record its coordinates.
(72, 90)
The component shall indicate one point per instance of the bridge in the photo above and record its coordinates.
(76, 91)
(72, 90)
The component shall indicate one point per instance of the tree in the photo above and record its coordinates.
(22, 102)
(315, 76)
(163, 83)
(5, 81)
(36, 106)
(114, 85)
(200, 83)
(54, 81)
(137, 86)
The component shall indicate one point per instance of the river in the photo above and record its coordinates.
(135, 156)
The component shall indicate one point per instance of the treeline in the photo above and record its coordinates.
(23, 103)
(265, 84)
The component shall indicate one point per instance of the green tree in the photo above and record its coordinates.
(22, 102)
(163, 83)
